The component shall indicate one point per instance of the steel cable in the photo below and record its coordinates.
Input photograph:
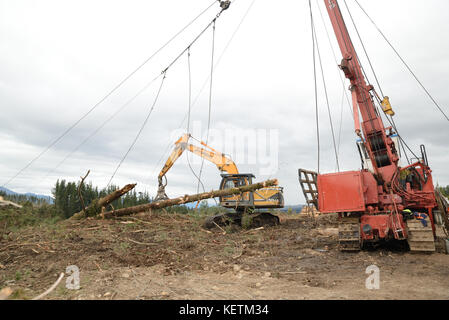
(316, 87)
(364, 49)
(210, 102)
(57, 140)
(122, 108)
(188, 121)
(139, 132)
(405, 64)
(168, 142)
(325, 88)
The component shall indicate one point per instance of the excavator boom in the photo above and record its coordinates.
(264, 198)
(223, 163)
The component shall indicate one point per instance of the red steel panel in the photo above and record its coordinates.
(341, 192)
(370, 188)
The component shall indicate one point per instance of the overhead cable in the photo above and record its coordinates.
(52, 144)
(405, 64)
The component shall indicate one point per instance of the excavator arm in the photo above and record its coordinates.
(176, 153)
(223, 163)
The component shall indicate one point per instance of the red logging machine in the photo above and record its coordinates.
(382, 201)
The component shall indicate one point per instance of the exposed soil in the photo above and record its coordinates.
(162, 256)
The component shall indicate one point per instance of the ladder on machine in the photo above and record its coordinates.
(308, 182)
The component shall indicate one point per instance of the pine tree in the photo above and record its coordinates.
(67, 201)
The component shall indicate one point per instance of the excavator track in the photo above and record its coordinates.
(349, 235)
(420, 238)
(257, 220)
(264, 219)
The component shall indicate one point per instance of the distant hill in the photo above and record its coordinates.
(7, 191)
(39, 196)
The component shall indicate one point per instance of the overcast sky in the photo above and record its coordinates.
(59, 58)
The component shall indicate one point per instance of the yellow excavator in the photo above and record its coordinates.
(250, 202)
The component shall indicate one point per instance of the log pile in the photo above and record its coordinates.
(174, 202)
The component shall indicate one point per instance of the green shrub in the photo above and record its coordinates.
(13, 219)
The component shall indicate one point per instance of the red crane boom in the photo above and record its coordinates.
(380, 147)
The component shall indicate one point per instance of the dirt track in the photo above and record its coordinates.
(164, 256)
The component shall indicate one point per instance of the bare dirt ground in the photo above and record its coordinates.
(162, 256)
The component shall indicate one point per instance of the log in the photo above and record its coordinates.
(96, 207)
(188, 199)
(53, 287)
(79, 190)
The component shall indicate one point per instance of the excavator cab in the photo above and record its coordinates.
(261, 199)
(230, 181)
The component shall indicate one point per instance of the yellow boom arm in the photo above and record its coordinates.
(264, 198)
(223, 163)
